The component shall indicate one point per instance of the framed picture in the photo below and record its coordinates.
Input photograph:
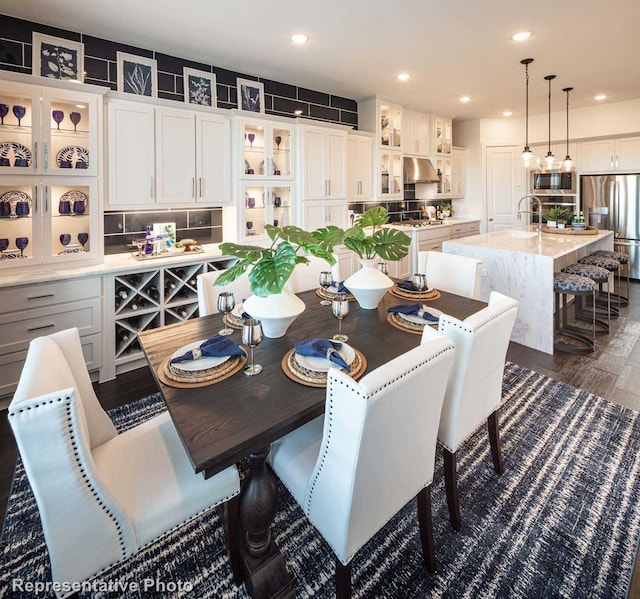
(250, 95)
(57, 58)
(137, 75)
(199, 87)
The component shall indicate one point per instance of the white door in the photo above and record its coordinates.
(213, 165)
(504, 186)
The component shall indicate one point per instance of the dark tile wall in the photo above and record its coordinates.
(100, 69)
(408, 208)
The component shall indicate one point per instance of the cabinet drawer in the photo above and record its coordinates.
(464, 230)
(19, 328)
(45, 294)
(433, 246)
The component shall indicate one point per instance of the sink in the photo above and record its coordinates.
(523, 234)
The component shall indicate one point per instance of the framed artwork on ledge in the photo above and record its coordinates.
(137, 75)
(199, 87)
(57, 58)
(250, 95)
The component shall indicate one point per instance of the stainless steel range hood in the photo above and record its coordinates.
(419, 170)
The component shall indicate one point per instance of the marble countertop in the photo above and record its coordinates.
(552, 245)
(449, 222)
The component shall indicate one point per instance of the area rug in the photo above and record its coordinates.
(563, 520)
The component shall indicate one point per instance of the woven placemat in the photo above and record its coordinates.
(203, 378)
(396, 320)
(311, 378)
(234, 322)
(426, 296)
(329, 295)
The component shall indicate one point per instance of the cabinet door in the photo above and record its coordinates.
(364, 167)
(422, 141)
(20, 225)
(21, 134)
(597, 155)
(335, 157)
(409, 133)
(628, 154)
(314, 179)
(314, 216)
(336, 214)
(213, 163)
(352, 169)
(131, 150)
(175, 157)
(458, 174)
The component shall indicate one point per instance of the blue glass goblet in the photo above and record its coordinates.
(4, 111)
(75, 119)
(21, 244)
(82, 239)
(58, 116)
(19, 112)
(4, 244)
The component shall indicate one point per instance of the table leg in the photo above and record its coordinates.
(265, 572)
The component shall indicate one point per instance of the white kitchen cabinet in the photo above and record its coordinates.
(322, 214)
(265, 203)
(559, 151)
(359, 166)
(400, 269)
(347, 261)
(324, 162)
(390, 185)
(458, 172)
(267, 148)
(465, 230)
(383, 117)
(416, 134)
(442, 132)
(621, 154)
(213, 159)
(443, 166)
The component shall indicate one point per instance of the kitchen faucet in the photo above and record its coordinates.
(521, 212)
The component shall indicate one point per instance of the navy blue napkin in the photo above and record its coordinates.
(217, 346)
(407, 285)
(338, 288)
(414, 310)
(322, 348)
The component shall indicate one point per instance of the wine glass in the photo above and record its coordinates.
(249, 227)
(19, 112)
(340, 308)
(75, 119)
(21, 244)
(278, 141)
(383, 267)
(326, 280)
(58, 116)
(65, 239)
(226, 303)
(251, 137)
(419, 282)
(82, 239)
(4, 111)
(4, 244)
(252, 337)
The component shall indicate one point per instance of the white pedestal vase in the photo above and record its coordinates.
(276, 312)
(368, 285)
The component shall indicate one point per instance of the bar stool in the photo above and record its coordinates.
(625, 261)
(612, 265)
(564, 285)
(599, 276)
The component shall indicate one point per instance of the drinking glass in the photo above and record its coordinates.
(383, 267)
(251, 137)
(419, 282)
(326, 280)
(249, 227)
(4, 244)
(278, 141)
(58, 116)
(21, 244)
(19, 112)
(340, 308)
(82, 239)
(4, 111)
(226, 303)
(65, 239)
(75, 119)
(252, 337)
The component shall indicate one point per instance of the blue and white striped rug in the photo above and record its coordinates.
(563, 520)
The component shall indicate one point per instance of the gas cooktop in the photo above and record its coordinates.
(422, 222)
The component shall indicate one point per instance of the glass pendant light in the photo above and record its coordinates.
(567, 163)
(528, 159)
(549, 159)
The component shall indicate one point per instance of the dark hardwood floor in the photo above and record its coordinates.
(612, 371)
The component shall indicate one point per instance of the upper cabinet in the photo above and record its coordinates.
(385, 119)
(416, 134)
(442, 135)
(266, 149)
(323, 152)
(458, 172)
(621, 154)
(359, 166)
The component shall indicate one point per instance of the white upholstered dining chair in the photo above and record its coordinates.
(448, 272)
(101, 495)
(474, 390)
(352, 469)
(306, 276)
(208, 291)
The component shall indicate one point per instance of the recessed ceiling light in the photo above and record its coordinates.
(600, 97)
(507, 113)
(404, 76)
(80, 106)
(298, 112)
(465, 99)
(299, 38)
(521, 36)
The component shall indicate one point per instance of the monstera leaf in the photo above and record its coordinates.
(270, 273)
(391, 244)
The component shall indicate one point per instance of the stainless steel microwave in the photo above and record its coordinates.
(553, 182)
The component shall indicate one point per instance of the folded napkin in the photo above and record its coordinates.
(217, 346)
(338, 288)
(429, 314)
(322, 348)
(407, 285)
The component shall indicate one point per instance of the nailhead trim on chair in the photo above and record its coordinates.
(460, 324)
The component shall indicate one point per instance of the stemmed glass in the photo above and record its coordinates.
(340, 308)
(4, 244)
(383, 267)
(58, 116)
(226, 303)
(4, 111)
(75, 119)
(21, 244)
(252, 337)
(419, 282)
(82, 239)
(251, 137)
(19, 112)
(278, 141)
(326, 280)
(65, 240)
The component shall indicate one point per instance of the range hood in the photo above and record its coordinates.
(419, 170)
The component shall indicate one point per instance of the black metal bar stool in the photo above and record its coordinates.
(625, 262)
(599, 276)
(565, 285)
(613, 266)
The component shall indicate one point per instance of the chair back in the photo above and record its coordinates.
(474, 390)
(208, 291)
(378, 445)
(306, 276)
(448, 272)
(84, 526)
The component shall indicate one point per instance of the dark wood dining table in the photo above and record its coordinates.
(238, 417)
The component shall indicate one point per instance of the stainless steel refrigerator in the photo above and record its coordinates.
(612, 202)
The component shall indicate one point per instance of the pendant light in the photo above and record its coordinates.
(549, 159)
(528, 159)
(567, 163)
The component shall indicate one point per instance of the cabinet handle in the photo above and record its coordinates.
(35, 195)
(417, 146)
(200, 184)
(33, 297)
(46, 157)
(612, 161)
(46, 198)
(328, 218)
(193, 187)
(35, 154)
(329, 186)
(616, 161)
(44, 326)
(151, 187)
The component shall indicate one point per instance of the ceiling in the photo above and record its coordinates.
(356, 47)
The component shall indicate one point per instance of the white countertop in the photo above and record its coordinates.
(448, 222)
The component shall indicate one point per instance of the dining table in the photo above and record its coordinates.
(235, 419)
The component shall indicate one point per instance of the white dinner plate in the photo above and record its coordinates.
(196, 365)
(418, 319)
(322, 364)
(427, 290)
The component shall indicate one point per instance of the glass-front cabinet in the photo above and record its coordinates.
(390, 125)
(264, 204)
(390, 182)
(443, 168)
(443, 134)
(266, 149)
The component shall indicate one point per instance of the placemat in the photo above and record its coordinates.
(427, 296)
(311, 378)
(396, 320)
(234, 322)
(329, 295)
(204, 377)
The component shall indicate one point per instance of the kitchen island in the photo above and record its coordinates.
(520, 263)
